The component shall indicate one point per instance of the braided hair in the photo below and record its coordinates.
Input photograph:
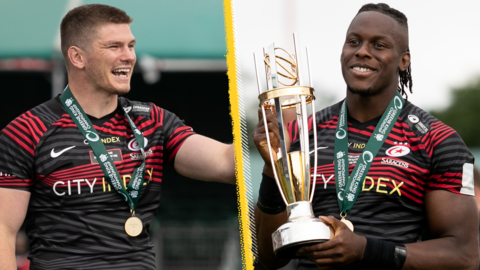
(406, 75)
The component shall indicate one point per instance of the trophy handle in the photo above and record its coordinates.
(314, 126)
(267, 132)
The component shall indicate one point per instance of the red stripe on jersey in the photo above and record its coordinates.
(450, 188)
(145, 124)
(23, 128)
(109, 131)
(295, 134)
(30, 131)
(363, 132)
(161, 117)
(310, 122)
(444, 136)
(450, 174)
(177, 139)
(22, 144)
(15, 185)
(39, 122)
(7, 181)
(120, 126)
(28, 140)
(151, 130)
(31, 124)
(118, 119)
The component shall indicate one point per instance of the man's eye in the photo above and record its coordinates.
(113, 46)
(353, 42)
(378, 45)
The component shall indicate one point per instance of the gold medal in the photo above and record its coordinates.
(133, 226)
(348, 223)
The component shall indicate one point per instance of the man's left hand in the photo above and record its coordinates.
(344, 247)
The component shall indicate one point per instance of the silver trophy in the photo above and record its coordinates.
(292, 170)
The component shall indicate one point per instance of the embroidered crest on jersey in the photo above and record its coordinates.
(399, 150)
(133, 144)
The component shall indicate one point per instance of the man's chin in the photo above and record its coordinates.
(360, 91)
(120, 90)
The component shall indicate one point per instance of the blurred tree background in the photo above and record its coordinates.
(463, 114)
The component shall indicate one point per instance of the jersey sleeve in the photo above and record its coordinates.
(451, 161)
(17, 147)
(176, 132)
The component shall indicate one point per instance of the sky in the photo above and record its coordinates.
(443, 40)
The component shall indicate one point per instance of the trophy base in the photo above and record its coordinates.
(297, 233)
(288, 252)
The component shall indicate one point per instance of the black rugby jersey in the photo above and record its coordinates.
(75, 220)
(421, 154)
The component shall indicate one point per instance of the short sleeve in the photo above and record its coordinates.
(17, 147)
(451, 161)
(176, 132)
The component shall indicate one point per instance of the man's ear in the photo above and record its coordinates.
(76, 56)
(404, 61)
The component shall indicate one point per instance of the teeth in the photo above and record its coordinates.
(363, 69)
(122, 70)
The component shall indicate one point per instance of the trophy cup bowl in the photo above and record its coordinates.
(292, 169)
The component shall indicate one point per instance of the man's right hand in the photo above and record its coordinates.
(260, 139)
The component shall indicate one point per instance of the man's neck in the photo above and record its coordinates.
(365, 108)
(94, 103)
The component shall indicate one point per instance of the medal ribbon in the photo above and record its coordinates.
(348, 187)
(134, 188)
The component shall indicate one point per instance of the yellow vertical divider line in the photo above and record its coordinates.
(241, 151)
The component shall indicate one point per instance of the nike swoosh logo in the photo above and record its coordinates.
(321, 147)
(55, 155)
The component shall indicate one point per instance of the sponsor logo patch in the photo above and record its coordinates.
(413, 118)
(353, 158)
(115, 155)
(421, 127)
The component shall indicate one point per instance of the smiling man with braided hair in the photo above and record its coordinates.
(420, 177)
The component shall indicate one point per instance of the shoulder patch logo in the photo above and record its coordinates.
(141, 109)
(413, 118)
(127, 109)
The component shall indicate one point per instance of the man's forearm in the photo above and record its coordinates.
(203, 158)
(442, 253)
(265, 225)
(7, 250)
